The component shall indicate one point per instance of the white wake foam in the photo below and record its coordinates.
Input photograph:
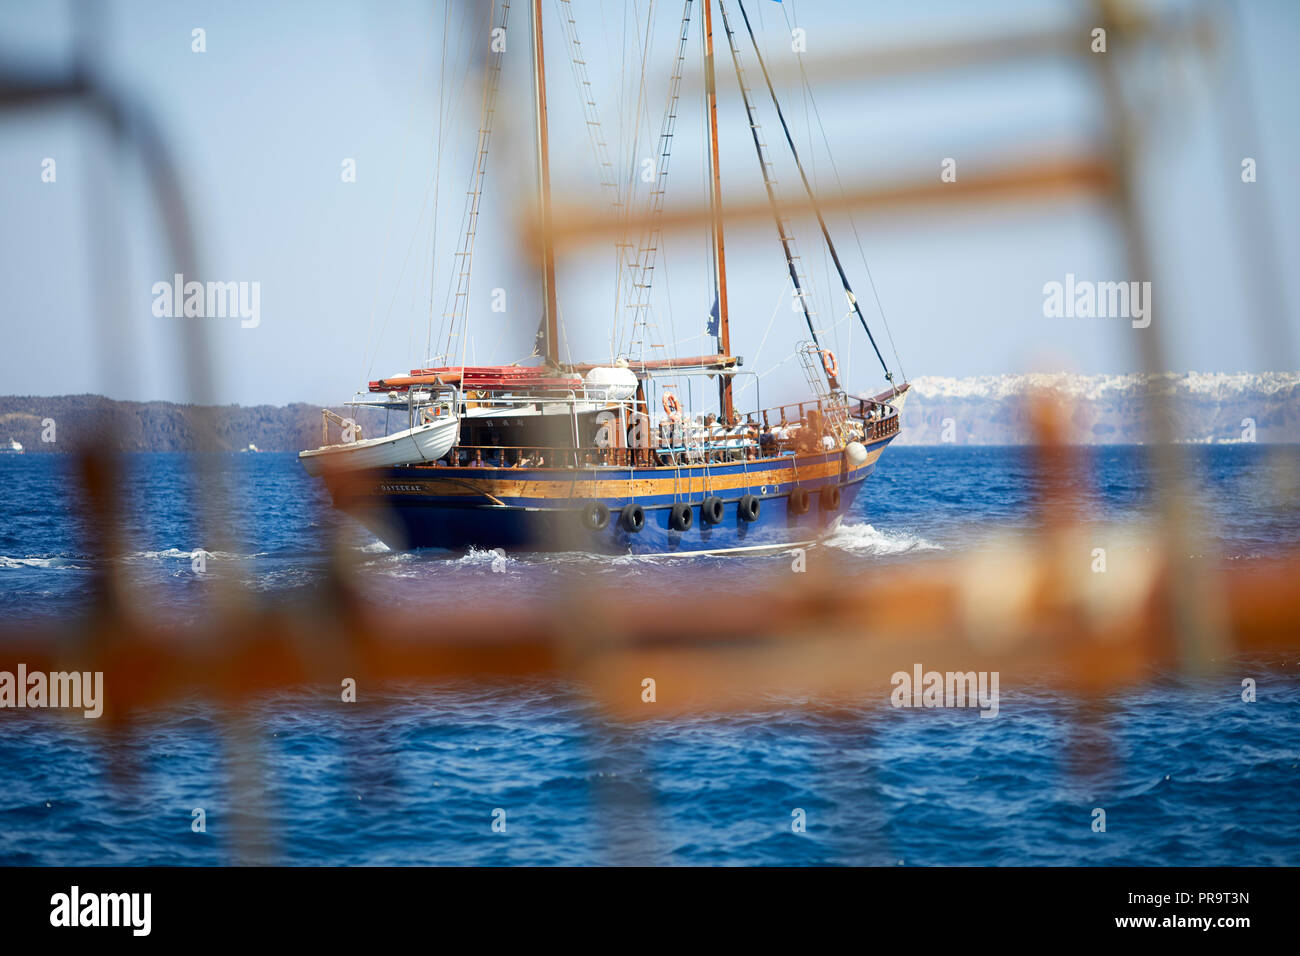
(865, 539)
(495, 558)
(178, 555)
(62, 564)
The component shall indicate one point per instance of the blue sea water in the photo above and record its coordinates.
(1186, 772)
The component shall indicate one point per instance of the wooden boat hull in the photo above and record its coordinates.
(540, 509)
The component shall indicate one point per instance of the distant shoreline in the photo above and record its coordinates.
(65, 450)
(980, 411)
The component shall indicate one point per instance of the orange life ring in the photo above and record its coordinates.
(828, 362)
(672, 407)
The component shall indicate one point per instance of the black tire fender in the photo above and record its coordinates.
(711, 509)
(830, 498)
(595, 516)
(632, 517)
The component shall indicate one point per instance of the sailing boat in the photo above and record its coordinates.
(605, 457)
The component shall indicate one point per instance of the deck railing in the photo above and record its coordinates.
(799, 427)
(734, 449)
(747, 445)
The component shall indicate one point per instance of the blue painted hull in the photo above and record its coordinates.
(541, 509)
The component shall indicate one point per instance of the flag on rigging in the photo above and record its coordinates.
(712, 327)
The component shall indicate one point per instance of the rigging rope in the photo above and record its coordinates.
(787, 240)
(465, 251)
(812, 198)
(623, 261)
(807, 86)
(641, 109)
(443, 109)
(641, 277)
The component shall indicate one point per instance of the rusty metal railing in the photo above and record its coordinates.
(745, 640)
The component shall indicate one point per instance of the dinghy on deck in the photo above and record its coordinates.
(423, 443)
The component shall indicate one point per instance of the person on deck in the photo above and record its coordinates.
(712, 432)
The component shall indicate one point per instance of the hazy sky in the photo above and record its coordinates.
(350, 272)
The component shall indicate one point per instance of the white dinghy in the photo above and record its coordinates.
(427, 442)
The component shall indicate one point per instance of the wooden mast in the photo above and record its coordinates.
(719, 255)
(550, 313)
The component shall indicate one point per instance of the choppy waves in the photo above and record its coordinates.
(1187, 773)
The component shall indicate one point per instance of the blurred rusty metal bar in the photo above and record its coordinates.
(867, 64)
(1041, 625)
(129, 123)
(114, 622)
(276, 650)
(1193, 601)
(1041, 179)
(1030, 609)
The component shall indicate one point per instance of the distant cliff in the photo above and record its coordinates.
(166, 426)
(1107, 409)
(986, 410)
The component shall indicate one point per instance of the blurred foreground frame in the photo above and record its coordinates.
(1032, 609)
